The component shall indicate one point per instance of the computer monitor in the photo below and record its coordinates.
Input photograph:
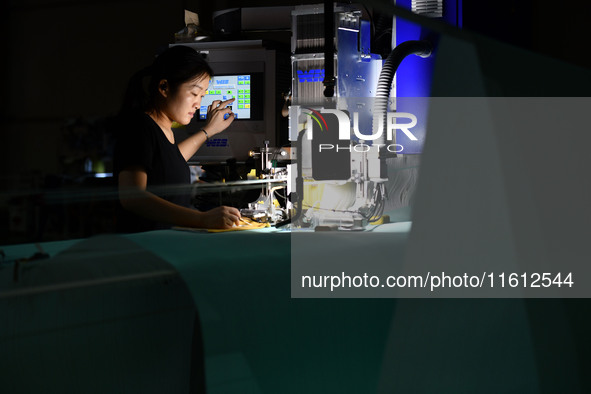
(259, 74)
(246, 89)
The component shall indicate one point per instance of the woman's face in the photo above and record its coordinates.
(182, 105)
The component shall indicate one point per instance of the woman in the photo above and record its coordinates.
(153, 175)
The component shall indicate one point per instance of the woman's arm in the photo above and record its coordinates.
(135, 198)
(216, 124)
(189, 146)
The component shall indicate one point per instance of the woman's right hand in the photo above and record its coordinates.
(216, 115)
(220, 218)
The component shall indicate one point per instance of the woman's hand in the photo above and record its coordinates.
(216, 112)
(219, 116)
(220, 218)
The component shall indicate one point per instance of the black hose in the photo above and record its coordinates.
(420, 48)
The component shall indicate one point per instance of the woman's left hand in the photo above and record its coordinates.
(219, 116)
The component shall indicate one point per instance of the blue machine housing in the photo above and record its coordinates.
(414, 75)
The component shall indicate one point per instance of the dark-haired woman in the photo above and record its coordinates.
(151, 167)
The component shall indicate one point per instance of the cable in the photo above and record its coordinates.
(421, 48)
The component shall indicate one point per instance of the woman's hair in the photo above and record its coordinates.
(177, 64)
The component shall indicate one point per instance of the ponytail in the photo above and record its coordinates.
(136, 96)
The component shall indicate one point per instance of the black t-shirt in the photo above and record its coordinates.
(141, 143)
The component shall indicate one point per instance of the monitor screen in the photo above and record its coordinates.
(224, 87)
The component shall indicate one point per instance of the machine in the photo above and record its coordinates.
(354, 133)
(343, 119)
